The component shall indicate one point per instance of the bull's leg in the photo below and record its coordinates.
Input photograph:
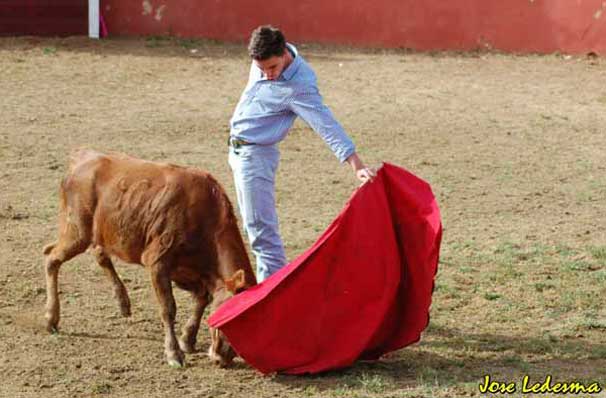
(188, 339)
(160, 275)
(74, 238)
(57, 254)
(119, 289)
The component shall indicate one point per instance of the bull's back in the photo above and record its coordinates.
(138, 204)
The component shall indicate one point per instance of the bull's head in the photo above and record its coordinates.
(220, 351)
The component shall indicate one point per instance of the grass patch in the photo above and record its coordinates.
(600, 276)
(516, 362)
(598, 253)
(49, 50)
(542, 286)
(343, 391)
(598, 352)
(101, 388)
(310, 391)
(449, 291)
(596, 324)
(576, 265)
(492, 296)
(189, 43)
(373, 384)
(156, 41)
(435, 376)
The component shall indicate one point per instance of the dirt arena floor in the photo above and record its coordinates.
(513, 146)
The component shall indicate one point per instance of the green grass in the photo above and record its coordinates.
(492, 296)
(576, 265)
(156, 41)
(49, 50)
(527, 287)
(372, 383)
(101, 388)
(598, 253)
(594, 324)
(542, 286)
(310, 391)
(188, 43)
(600, 276)
(516, 362)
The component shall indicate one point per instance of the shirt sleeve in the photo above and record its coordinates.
(309, 107)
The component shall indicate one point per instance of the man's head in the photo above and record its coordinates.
(267, 48)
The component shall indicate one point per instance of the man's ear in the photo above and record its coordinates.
(236, 281)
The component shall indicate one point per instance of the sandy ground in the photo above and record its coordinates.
(512, 145)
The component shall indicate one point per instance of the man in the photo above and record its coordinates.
(281, 86)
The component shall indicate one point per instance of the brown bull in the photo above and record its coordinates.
(175, 221)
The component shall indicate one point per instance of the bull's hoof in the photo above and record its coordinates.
(217, 360)
(175, 364)
(52, 329)
(222, 363)
(125, 311)
(175, 359)
(52, 324)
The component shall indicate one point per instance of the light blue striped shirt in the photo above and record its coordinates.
(268, 108)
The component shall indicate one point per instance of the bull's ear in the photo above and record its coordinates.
(236, 281)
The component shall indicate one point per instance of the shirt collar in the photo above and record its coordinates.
(290, 71)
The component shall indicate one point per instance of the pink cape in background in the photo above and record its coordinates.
(362, 290)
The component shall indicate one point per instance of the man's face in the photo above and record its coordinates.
(272, 67)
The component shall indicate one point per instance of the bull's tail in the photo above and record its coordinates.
(226, 210)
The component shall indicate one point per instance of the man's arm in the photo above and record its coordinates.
(309, 107)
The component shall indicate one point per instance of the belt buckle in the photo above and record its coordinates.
(233, 142)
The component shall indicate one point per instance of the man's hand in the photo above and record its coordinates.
(366, 174)
(363, 173)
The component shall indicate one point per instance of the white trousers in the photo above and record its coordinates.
(254, 169)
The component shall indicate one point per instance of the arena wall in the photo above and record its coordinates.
(570, 26)
(544, 26)
(43, 17)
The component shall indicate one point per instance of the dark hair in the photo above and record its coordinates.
(266, 42)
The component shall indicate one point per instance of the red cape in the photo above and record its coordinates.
(362, 290)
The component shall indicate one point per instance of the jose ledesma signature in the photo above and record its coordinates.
(547, 385)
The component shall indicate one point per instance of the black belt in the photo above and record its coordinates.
(236, 143)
